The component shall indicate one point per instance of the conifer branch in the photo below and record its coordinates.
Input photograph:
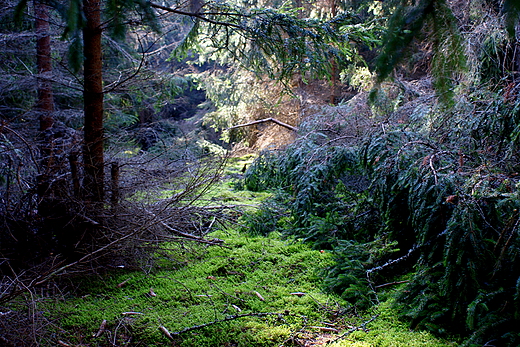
(200, 16)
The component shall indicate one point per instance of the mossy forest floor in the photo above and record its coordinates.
(255, 291)
(251, 291)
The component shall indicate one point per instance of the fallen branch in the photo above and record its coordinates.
(298, 294)
(259, 296)
(122, 284)
(390, 284)
(327, 329)
(226, 319)
(274, 120)
(362, 327)
(186, 235)
(102, 329)
(57, 269)
(166, 332)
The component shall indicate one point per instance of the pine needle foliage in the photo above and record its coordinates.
(406, 24)
(511, 8)
(449, 60)
(275, 41)
(454, 232)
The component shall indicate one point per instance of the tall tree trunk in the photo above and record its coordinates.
(44, 64)
(93, 160)
(334, 65)
(44, 106)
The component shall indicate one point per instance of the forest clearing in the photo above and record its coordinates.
(259, 173)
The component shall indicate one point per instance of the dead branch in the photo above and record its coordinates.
(29, 147)
(166, 332)
(135, 226)
(57, 271)
(201, 16)
(390, 284)
(259, 295)
(229, 318)
(186, 235)
(274, 120)
(362, 327)
(327, 329)
(101, 329)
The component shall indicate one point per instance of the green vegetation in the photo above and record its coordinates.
(404, 203)
(229, 191)
(381, 206)
(249, 276)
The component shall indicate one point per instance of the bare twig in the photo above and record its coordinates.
(390, 284)
(29, 147)
(102, 328)
(274, 120)
(186, 235)
(354, 328)
(229, 318)
(166, 332)
(328, 329)
(259, 295)
(200, 16)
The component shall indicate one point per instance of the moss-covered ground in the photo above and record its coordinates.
(251, 291)
(256, 291)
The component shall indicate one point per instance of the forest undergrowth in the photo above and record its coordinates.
(251, 290)
(384, 213)
(426, 198)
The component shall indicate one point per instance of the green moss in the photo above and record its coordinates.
(253, 275)
(239, 164)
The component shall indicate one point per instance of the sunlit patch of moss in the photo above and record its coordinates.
(253, 274)
(388, 331)
(228, 194)
(230, 191)
(239, 164)
(256, 274)
(131, 152)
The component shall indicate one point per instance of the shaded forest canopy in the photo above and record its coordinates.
(387, 133)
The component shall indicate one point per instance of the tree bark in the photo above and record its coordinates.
(93, 156)
(45, 108)
(44, 63)
(334, 65)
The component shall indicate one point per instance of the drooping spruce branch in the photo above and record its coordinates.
(407, 24)
(275, 42)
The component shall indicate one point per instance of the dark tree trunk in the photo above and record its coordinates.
(44, 64)
(334, 65)
(45, 105)
(50, 189)
(93, 160)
